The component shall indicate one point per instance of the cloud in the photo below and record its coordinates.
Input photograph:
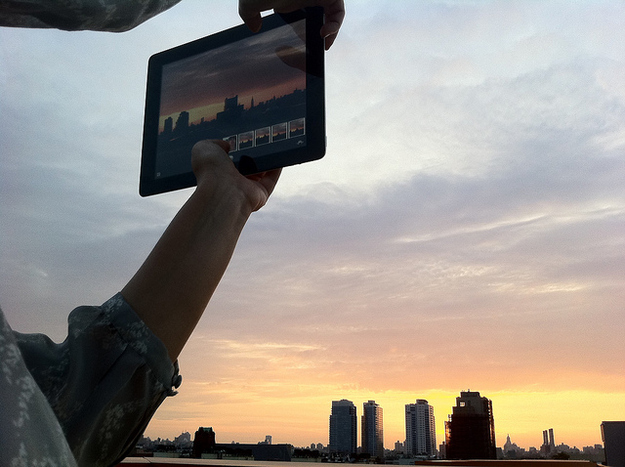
(477, 266)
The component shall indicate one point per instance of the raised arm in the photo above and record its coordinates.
(172, 288)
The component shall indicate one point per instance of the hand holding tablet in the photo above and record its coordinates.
(334, 12)
(262, 92)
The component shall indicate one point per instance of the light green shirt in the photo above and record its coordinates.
(87, 400)
(77, 15)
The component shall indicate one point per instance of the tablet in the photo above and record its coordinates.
(261, 92)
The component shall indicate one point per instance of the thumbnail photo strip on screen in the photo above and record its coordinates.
(267, 135)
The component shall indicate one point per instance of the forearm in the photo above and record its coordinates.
(172, 288)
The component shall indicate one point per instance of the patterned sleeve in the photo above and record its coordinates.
(104, 382)
(78, 15)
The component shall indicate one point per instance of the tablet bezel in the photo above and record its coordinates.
(315, 145)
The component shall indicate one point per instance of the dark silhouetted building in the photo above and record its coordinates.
(343, 430)
(549, 443)
(182, 123)
(470, 431)
(232, 110)
(613, 436)
(204, 441)
(372, 429)
(420, 429)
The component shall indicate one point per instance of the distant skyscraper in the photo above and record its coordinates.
(343, 430)
(400, 448)
(549, 443)
(470, 431)
(372, 429)
(420, 429)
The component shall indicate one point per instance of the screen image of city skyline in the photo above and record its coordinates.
(463, 231)
(250, 67)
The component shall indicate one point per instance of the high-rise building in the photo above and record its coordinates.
(343, 430)
(372, 429)
(204, 441)
(420, 429)
(470, 431)
(613, 435)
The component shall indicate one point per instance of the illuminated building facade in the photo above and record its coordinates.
(372, 429)
(420, 429)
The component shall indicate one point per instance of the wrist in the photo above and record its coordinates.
(222, 198)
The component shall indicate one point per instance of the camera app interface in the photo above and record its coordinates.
(251, 93)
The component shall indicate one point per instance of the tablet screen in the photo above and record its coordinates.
(253, 92)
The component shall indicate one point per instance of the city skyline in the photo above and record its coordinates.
(257, 66)
(183, 445)
(344, 422)
(520, 431)
(202, 115)
(509, 443)
(464, 229)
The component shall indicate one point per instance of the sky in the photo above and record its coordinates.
(465, 229)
